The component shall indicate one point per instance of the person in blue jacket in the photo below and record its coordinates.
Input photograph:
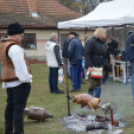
(130, 56)
(75, 52)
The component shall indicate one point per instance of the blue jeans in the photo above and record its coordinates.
(75, 74)
(53, 79)
(95, 92)
(132, 75)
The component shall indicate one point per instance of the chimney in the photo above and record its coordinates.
(32, 5)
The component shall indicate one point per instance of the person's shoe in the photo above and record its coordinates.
(51, 92)
(18, 128)
(83, 82)
(9, 127)
(73, 90)
(104, 83)
(59, 92)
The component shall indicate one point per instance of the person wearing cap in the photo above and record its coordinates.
(75, 52)
(16, 77)
(54, 62)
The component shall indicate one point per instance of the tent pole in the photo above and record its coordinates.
(67, 89)
(125, 31)
(112, 31)
(85, 33)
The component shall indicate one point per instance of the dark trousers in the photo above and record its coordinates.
(75, 73)
(105, 74)
(53, 79)
(16, 102)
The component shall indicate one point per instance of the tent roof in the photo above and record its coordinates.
(116, 12)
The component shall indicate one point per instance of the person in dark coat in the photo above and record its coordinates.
(65, 56)
(75, 52)
(96, 56)
(112, 45)
(129, 50)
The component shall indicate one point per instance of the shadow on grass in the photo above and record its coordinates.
(37, 122)
(2, 131)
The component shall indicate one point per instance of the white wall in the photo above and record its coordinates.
(42, 35)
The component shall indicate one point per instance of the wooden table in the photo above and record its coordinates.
(117, 63)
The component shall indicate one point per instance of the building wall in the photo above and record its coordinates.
(42, 36)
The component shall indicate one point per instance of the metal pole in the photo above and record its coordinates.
(67, 89)
(112, 31)
(125, 31)
(112, 119)
(85, 34)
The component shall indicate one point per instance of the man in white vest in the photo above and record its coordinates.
(54, 62)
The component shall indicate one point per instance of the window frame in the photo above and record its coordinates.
(3, 33)
(34, 42)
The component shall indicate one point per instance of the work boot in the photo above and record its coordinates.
(82, 82)
(59, 92)
(19, 128)
(73, 90)
(9, 127)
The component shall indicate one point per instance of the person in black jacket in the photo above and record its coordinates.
(112, 45)
(96, 56)
(65, 56)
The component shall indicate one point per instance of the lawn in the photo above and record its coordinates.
(56, 104)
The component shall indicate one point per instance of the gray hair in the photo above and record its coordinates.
(53, 36)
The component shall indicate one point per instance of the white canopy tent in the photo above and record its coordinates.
(112, 13)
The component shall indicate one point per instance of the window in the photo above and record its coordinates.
(3, 35)
(29, 41)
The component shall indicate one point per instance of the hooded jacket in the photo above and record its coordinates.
(96, 53)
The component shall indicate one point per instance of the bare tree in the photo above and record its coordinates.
(81, 6)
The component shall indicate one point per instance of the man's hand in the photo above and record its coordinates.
(90, 69)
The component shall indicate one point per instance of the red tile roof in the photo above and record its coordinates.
(50, 13)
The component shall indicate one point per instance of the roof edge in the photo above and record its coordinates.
(33, 27)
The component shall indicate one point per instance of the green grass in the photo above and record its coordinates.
(56, 104)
